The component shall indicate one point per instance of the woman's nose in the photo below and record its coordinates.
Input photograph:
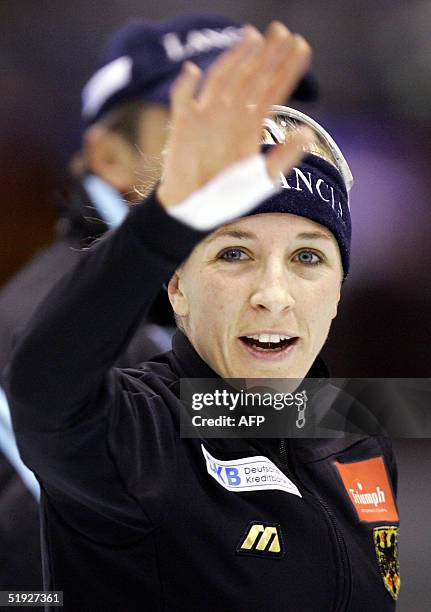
(273, 290)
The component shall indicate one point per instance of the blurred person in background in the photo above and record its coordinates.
(125, 108)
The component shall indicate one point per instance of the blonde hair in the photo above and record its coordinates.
(286, 127)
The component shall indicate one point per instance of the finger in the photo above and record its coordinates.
(185, 86)
(283, 157)
(227, 68)
(254, 75)
(284, 80)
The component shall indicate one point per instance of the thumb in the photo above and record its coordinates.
(284, 156)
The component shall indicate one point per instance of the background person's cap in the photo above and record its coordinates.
(143, 58)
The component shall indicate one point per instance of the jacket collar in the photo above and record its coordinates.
(187, 361)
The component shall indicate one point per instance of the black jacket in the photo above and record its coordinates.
(20, 563)
(133, 519)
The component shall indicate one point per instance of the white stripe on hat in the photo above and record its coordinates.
(104, 83)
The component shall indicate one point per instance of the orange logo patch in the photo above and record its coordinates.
(369, 489)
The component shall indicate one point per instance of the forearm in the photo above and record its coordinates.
(89, 317)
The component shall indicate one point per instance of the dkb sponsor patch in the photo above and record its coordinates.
(249, 474)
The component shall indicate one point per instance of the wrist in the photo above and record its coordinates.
(166, 197)
(233, 193)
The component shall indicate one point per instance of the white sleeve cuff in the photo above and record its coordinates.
(231, 194)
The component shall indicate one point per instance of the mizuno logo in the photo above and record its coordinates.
(262, 540)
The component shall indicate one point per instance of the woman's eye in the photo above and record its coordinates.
(234, 255)
(308, 258)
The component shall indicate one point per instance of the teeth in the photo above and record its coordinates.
(273, 338)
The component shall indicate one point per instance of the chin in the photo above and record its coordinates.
(265, 373)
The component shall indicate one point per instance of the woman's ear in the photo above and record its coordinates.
(336, 305)
(177, 296)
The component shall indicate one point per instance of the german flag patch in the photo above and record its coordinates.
(386, 545)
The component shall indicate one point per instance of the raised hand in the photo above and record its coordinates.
(217, 120)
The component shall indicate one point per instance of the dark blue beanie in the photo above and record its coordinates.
(315, 189)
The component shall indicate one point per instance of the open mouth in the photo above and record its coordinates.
(269, 343)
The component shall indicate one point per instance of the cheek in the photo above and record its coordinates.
(320, 308)
(207, 300)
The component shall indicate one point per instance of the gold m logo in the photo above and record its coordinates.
(262, 539)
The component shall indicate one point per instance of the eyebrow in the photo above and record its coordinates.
(244, 235)
(313, 235)
(230, 233)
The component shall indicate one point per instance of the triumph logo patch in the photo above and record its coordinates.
(386, 545)
(262, 540)
(369, 489)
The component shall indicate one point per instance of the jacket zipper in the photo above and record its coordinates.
(343, 557)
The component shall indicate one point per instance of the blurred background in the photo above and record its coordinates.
(373, 64)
